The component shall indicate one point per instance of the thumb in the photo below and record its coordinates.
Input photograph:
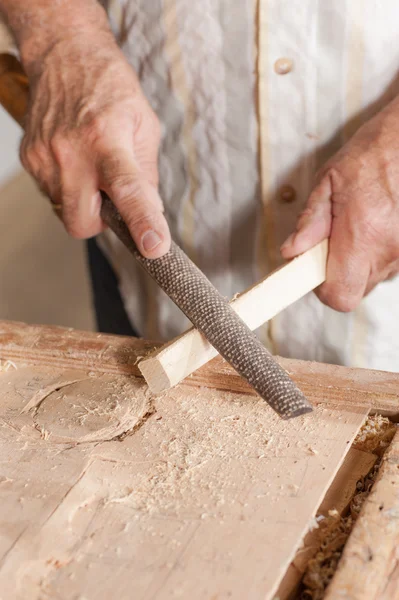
(314, 224)
(138, 202)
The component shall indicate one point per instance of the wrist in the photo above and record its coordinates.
(51, 24)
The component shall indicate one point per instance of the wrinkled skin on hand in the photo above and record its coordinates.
(356, 203)
(90, 128)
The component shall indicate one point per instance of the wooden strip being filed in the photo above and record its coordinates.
(371, 556)
(179, 358)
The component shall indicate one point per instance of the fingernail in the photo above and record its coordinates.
(95, 204)
(150, 240)
(288, 241)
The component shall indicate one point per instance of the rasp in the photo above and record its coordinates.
(187, 286)
(213, 316)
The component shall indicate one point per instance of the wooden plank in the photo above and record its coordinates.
(356, 465)
(370, 557)
(331, 384)
(43, 345)
(107, 491)
(391, 589)
(100, 353)
(171, 363)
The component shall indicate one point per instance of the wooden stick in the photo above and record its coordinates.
(190, 351)
(371, 554)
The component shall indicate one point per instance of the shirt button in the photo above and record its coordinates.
(282, 66)
(287, 194)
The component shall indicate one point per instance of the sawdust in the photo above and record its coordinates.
(335, 529)
(213, 446)
(7, 365)
(205, 485)
(375, 435)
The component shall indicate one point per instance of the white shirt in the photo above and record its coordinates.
(254, 96)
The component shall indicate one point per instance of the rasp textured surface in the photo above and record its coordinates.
(209, 312)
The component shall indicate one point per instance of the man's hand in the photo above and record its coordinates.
(90, 128)
(356, 203)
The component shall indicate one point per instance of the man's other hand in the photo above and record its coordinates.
(355, 202)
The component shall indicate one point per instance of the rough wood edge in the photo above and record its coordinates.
(371, 554)
(169, 365)
(72, 349)
(356, 464)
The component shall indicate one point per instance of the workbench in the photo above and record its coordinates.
(107, 491)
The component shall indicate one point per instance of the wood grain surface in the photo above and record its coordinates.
(369, 564)
(67, 348)
(107, 492)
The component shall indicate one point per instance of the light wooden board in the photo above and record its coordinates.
(391, 589)
(369, 564)
(107, 492)
(171, 363)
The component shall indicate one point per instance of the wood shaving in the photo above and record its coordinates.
(375, 435)
(7, 365)
(314, 523)
(42, 394)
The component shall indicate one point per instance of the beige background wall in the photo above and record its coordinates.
(43, 276)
